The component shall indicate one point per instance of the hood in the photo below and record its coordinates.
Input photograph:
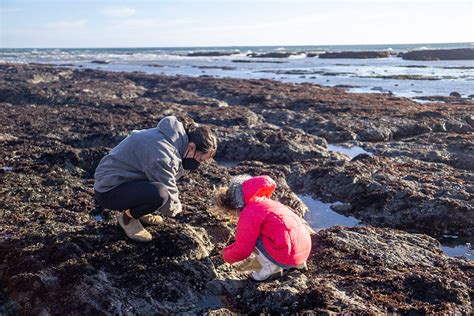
(174, 133)
(261, 186)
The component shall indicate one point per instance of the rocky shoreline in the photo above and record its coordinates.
(426, 54)
(61, 254)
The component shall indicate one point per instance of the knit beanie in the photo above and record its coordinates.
(235, 192)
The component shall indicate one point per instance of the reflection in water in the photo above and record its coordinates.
(454, 247)
(98, 217)
(320, 215)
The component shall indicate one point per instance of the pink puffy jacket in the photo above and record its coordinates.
(282, 232)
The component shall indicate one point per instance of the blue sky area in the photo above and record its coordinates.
(81, 23)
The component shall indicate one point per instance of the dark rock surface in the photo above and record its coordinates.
(210, 54)
(356, 54)
(273, 55)
(440, 54)
(258, 61)
(61, 254)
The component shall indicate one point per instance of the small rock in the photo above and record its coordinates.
(341, 207)
(455, 94)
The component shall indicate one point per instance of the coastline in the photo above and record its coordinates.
(433, 74)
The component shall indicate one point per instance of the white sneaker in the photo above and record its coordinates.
(134, 229)
(268, 268)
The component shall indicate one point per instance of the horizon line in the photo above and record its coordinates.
(230, 46)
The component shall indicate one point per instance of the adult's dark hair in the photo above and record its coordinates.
(201, 136)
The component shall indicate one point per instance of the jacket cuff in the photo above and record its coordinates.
(171, 208)
(227, 254)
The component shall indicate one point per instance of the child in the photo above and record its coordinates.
(278, 234)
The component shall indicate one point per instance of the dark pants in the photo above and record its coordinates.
(141, 197)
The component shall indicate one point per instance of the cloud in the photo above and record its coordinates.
(66, 24)
(118, 12)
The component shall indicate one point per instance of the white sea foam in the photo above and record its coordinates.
(298, 56)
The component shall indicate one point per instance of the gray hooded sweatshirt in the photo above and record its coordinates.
(151, 154)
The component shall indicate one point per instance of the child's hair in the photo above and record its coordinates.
(223, 207)
(229, 199)
(223, 199)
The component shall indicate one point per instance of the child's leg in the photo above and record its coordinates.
(268, 268)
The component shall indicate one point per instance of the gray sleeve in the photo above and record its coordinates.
(162, 171)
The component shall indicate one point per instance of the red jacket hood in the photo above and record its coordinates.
(261, 186)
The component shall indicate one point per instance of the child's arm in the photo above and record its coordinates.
(248, 230)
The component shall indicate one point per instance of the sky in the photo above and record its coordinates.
(180, 23)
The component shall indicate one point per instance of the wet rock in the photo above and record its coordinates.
(455, 94)
(410, 265)
(272, 55)
(269, 144)
(469, 119)
(56, 259)
(410, 130)
(258, 61)
(433, 202)
(458, 127)
(7, 138)
(358, 55)
(375, 134)
(234, 116)
(210, 54)
(440, 54)
(447, 99)
(216, 67)
(343, 208)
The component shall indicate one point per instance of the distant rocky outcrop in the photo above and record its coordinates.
(210, 54)
(361, 55)
(273, 54)
(440, 54)
(101, 62)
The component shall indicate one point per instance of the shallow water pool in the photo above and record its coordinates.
(349, 151)
(320, 215)
(227, 163)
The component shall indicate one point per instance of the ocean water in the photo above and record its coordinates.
(359, 75)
